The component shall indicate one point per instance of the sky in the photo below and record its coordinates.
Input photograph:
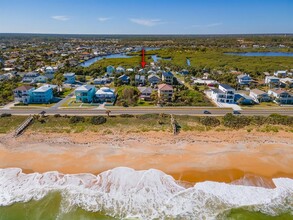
(146, 16)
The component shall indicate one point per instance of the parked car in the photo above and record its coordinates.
(235, 112)
(206, 112)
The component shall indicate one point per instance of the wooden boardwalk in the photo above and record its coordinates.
(23, 126)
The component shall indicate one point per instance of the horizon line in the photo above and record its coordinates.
(134, 34)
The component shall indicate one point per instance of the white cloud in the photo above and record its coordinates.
(208, 25)
(147, 22)
(103, 19)
(60, 17)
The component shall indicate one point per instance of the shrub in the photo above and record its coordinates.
(97, 120)
(76, 119)
(237, 122)
(57, 115)
(280, 119)
(126, 116)
(210, 121)
(5, 115)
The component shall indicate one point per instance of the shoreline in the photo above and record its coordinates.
(188, 156)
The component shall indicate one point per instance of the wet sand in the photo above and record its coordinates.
(189, 156)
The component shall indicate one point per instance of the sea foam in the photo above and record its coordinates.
(148, 194)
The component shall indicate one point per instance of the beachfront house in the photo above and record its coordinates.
(280, 73)
(259, 95)
(154, 79)
(145, 93)
(286, 82)
(139, 80)
(281, 96)
(165, 91)
(69, 78)
(105, 94)
(244, 79)
(85, 93)
(110, 70)
(272, 81)
(43, 94)
(243, 99)
(168, 77)
(224, 94)
(23, 94)
(124, 79)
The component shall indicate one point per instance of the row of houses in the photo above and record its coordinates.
(90, 94)
(35, 77)
(226, 94)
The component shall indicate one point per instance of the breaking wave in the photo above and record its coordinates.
(149, 194)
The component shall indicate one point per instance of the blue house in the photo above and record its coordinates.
(69, 78)
(85, 93)
(244, 79)
(41, 79)
(124, 79)
(110, 70)
(168, 77)
(184, 72)
(42, 95)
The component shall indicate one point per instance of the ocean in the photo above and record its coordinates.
(124, 193)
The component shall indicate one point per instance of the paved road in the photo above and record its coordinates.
(137, 111)
(58, 104)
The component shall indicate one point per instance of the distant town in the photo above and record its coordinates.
(76, 73)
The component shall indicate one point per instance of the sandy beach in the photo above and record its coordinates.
(188, 156)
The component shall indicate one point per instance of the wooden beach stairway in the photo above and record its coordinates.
(23, 126)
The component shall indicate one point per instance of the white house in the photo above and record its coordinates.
(105, 94)
(208, 82)
(272, 80)
(69, 78)
(129, 70)
(280, 73)
(281, 96)
(286, 82)
(49, 72)
(120, 69)
(259, 95)
(244, 79)
(224, 93)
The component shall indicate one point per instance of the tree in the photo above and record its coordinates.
(58, 80)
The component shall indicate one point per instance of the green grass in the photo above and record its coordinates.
(129, 124)
(145, 103)
(262, 105)
(65, 92)
(8, 124)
